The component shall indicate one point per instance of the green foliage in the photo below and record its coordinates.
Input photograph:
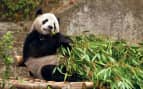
(110, 64)
(18, 9)
(6, 46)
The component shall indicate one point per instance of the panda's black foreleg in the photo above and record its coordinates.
(30, 38)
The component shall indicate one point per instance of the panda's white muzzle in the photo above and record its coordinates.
(48, 30)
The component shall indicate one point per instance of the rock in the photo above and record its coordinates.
(119, 19)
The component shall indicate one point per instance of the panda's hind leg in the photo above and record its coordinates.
(47, 73)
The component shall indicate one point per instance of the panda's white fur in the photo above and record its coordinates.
(50, 20)
(34, 65)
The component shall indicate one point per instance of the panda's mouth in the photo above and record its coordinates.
(48, 31)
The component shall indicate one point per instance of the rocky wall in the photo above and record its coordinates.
(119, 19)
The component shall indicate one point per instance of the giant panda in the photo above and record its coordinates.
(40, 48)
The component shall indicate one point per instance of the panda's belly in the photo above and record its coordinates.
(34, 65)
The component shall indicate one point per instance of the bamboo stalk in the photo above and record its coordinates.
(31, 84)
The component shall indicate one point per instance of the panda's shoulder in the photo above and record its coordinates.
(32, 35)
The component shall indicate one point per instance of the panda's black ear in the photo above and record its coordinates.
(39, 11)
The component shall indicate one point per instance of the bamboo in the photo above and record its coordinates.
(32, 84)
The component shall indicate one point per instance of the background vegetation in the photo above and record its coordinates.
(18, 9)
(109, 64)
(6, 49)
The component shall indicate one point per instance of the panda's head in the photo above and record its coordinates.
(46, 23)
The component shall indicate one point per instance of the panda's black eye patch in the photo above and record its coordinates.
(46, 20)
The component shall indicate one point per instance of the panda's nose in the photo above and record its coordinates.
(50, 27)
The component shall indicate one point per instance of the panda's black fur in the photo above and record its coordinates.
(39, 45)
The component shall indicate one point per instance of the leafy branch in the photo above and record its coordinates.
(110, 64)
